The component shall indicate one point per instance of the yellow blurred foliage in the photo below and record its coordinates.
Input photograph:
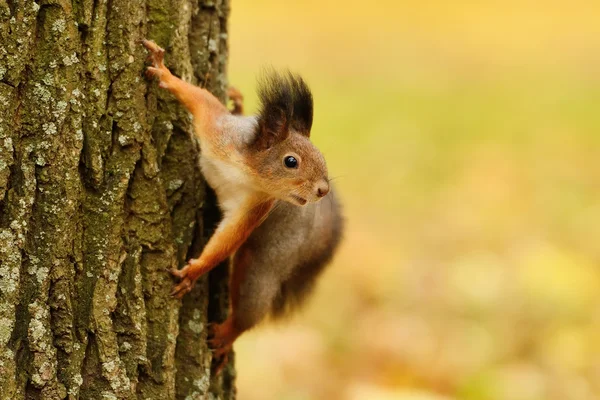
(464, 138)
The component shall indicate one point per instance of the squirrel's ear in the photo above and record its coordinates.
(286, 103)
(273, 127)
(277, 107)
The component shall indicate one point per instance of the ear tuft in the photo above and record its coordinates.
(302, 118)
(286, 102)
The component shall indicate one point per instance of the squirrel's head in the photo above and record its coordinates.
(287, 164)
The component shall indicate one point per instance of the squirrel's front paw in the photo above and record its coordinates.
(185, 286)
(155, 57)
(188, 276)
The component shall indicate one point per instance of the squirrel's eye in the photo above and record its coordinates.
(290, 162)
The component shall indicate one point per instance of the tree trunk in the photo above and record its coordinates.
(100, 195)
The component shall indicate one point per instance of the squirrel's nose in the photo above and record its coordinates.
(322, 189)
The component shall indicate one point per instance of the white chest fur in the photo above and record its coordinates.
(227, 176)
(230, 183)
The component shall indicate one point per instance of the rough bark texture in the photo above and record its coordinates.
(100, 194)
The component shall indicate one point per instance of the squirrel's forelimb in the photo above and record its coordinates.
(232, 232)
(197, 100)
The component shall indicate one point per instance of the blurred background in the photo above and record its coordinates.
(464, 138)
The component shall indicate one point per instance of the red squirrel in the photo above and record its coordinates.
(269, 179)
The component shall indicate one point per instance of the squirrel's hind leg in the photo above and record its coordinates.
(253, 289)
(237, 99)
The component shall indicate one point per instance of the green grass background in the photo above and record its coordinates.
(464, 138)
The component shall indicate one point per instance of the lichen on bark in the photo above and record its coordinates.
(100, 195)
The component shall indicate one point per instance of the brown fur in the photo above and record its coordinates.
(296, 288)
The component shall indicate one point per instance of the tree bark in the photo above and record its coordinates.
(100, 195)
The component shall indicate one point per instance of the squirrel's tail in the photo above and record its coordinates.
(298, 287)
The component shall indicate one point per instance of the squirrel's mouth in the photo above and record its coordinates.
(299, 200)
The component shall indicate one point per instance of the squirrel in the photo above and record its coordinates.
(269, 180)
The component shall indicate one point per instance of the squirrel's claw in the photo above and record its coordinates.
(219, 361)
(156, 56)
(220, 346)
(188, 276)
(157, 53)
(152, 72)
(186, 283)
(185, 286)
